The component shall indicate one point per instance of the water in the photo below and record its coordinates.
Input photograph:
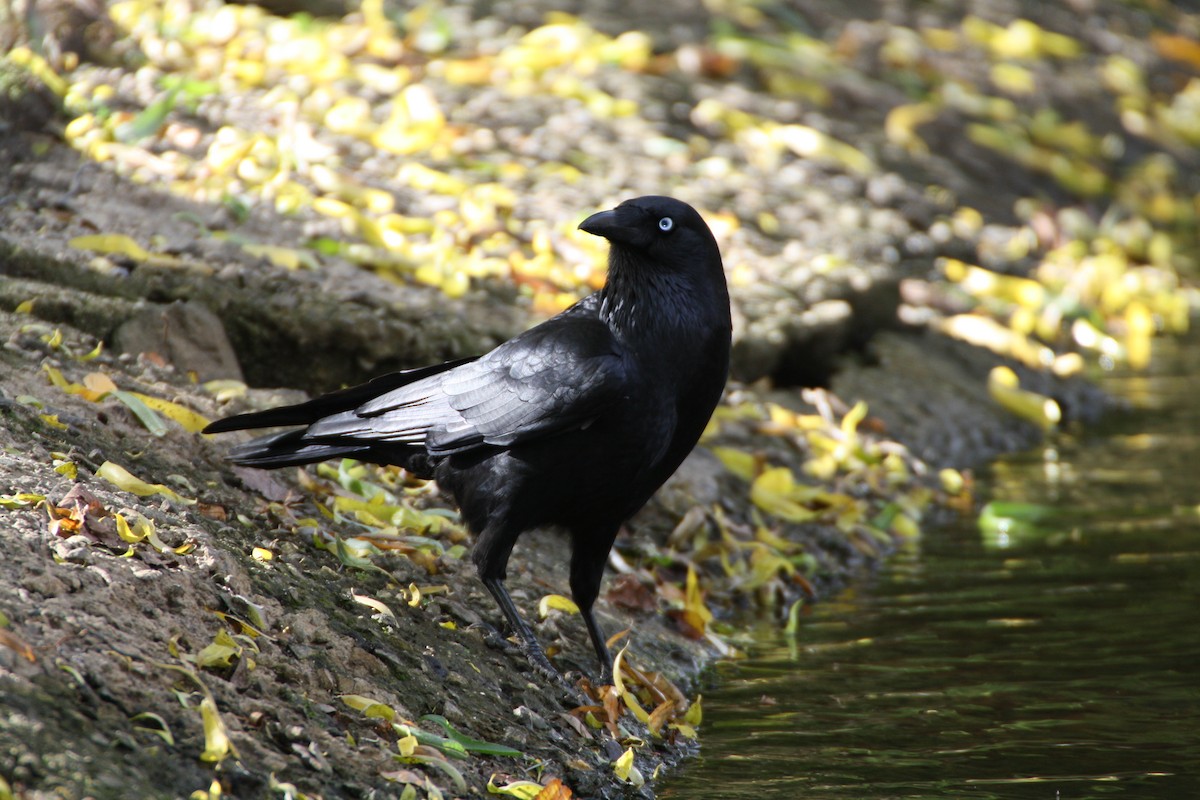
(1059, 665)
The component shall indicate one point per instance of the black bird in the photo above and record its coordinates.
(572, 424)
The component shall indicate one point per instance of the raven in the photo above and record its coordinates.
(573, 424)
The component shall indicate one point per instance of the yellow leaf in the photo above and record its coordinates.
(853, 417)
(739, 462)
(407, 746)
(522, 790)
(21, 499)
(765, 565)
(216, 740)
(624, 769)
(39, 68)
(557, 602)
(225, 390)
(53, 421)
(774, 492)
(189, 420)
(261, 554)
(809, 142)
(1013, 78)
(124, 480)
(369, 707)
(635, 707)
(694, 714)
(110, 243)
(419, 176)
(683, 728)
(952, 481)
(1003, 386)
(25, 307)
(618, 677)
(220, 652)
(126, 533)
(99, 383)
(56, 377)
(1139, 328)
(694, 599)
(774, 540)
(286, 257)
(900, 125)
(59, 381)
(93, 353)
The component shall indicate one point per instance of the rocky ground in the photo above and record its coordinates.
(187, 208)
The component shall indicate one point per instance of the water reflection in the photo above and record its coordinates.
(1065, 665)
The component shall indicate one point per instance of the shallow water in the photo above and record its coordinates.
(1063, 664)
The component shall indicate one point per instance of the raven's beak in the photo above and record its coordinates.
(622, 225)
(603, 224)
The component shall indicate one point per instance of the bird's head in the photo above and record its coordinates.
(664, 270)
(662, 228)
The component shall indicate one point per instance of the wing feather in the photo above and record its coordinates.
(557, 376)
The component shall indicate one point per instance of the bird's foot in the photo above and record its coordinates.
(541, 665)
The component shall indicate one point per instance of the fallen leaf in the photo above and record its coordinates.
(556, 602)
(522, 790)
(216, 739)
(625, 770)
(188, 419)
(629, 593)
(17, 644)
(123, 479)
(110, 244)
(213, 511)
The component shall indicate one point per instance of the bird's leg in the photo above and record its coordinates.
(589, 552)
(533, 650)
(599, 644)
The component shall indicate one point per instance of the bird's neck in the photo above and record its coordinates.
(644, 302)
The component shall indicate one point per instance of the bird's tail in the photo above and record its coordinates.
(293, 448)
(289, 449)
(327, 404)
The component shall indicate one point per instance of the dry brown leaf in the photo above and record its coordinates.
(554, 790)
(213, 511)
(17, 644)
(1177, 48)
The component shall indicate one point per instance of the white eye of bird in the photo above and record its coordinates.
(665, 224)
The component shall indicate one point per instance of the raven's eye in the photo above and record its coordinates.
(666, 224)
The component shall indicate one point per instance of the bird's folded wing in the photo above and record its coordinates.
(552, 378)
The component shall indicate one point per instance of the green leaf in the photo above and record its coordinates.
(150, 121)
(159, 729)
(146, 415)
(445, 766)
(473, 745)
(440, 743)
(349, 557)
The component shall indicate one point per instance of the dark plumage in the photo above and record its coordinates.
(574, 423)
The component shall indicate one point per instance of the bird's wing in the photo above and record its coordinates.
(327, 404)
(557, 376)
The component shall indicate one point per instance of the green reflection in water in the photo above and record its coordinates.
(1063, 664)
